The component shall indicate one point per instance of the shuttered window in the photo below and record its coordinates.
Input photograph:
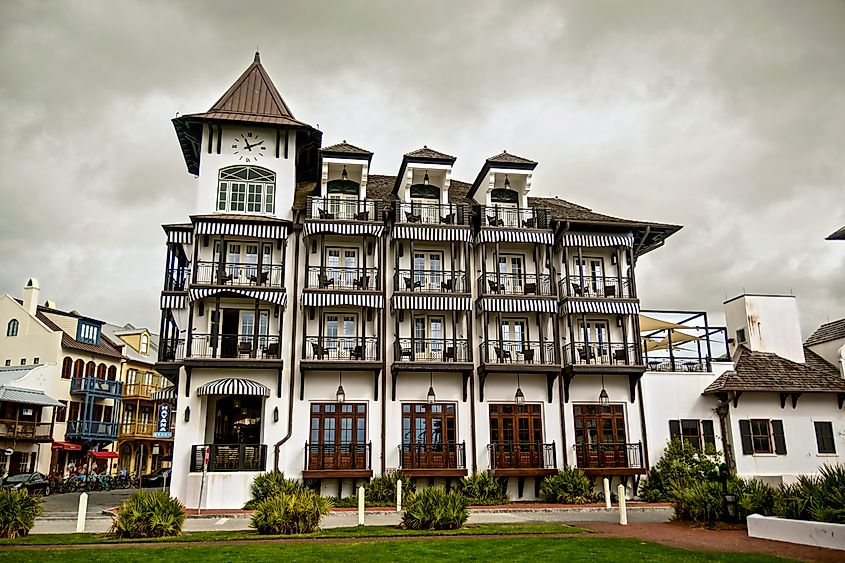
(824, 437)
(762, 436)
(699, 433)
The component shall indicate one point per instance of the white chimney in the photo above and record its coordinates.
(765, 323)
(30, 296)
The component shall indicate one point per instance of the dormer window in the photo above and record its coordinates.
(88, 333)
(343, 197)
(246, 189)
(145, 343)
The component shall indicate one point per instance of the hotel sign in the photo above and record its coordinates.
(163, 422)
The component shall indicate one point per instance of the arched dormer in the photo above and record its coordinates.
(246, 189)
(145, 344)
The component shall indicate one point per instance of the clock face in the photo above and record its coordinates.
(249, 146)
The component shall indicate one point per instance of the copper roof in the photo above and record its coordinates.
(345, 148)
(833, 330)
(426, 153)
(505, 158)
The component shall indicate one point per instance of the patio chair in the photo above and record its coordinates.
(406, 353)
(362, 216)
(502, 355)
(222, 279)
(620, 355)
(259, 279)
(449, 354)
(528, 223)
(326, 281)
(411, 284)
(610, 291)
(357, 353)
(361, 283)
(245, 349)
(494, 286)
(448, 219)
(586, 354)
(411, 218)
(447, 285)
(528, 356)
(530, 288)
(272, 350)
(494, 221)
(320, 352)
(577, 290)
(325, 214)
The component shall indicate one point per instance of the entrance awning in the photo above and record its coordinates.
(66, 446)
(232, 386)
(104, 455)
(166, 394)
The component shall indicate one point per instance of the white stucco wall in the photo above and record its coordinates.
(771, 324)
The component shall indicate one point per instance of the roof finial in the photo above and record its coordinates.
(257, 56)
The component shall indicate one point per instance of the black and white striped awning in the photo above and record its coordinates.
(233, 386)
(432, 302)
(173, 301)
(595, 240)
(277, 297)
(352, 228)
(517, 305)
(239, 229)
(166, 394)
(530, 236)
(180, 236)
(326, 299)
(601, 306)
(437, 233)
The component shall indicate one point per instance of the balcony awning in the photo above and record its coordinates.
(66, 446)
(173, 301)
(432, 302)
(597, 240)
(278, 297)
(240, 229)
(326, 299)
(180, 236)
(517, 305)
(439, 233)
(233, 386)
(516, 234)
(351, 228)
(104, 455)
(602, 306)
(27, 397)
(166, 394)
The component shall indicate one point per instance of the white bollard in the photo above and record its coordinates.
(361, 505)
(623, 513)
(399, 495)
(606, 492)
(80, 517)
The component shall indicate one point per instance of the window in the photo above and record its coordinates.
(12, 328)
(90, 369)
(8, 362)
(61, 412)
(78, 368)
(67, 368)
(112, 373)
(762, 436)
(824, 437)
(145, 343)
(698, 433)
(740, 336)
(23, 361)
(88, 333)
(246, 188)
(36, 360)
(101, 371)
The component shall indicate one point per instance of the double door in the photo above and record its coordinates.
(429, 338)
(338, 436)
(237, 329)
(240, 265)
(600, 438)
(342, 267)
(516, 436)
(429, 436)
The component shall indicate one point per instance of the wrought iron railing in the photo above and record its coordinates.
(432, 213)
(20, 430)
(337, 209)
(603, 455)
(334, 348)
(430, 281)
(525, 455)
(524, 352)
(171, 350)
(91, 429)
(95, 386)
(516, 284)
(239, 275)
(242, 346)
(450, 455)
(602, 354)
(596, 287)
(327, 277)
(678, 363)
(229, 457)
(328, 457)
(432, 350)
(176, 279)
(513, 217)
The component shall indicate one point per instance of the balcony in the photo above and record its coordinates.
(432, 214)
(140, 390)
(522, 459)
(233, 346)
(229, 457)
(26, 431)
(239, 275)
(527, 352)
(337, 209)
(610, 458)
(601, 354)
(432, 350)
(516, 284)
(444, 460)
(91, 430)
(597, 287)
(96, 387)
(514, 218)
(176, 279)
(342, 348)
(338, 460)
(430, 281)
(171, 350)
(679, 364)
(137, 429)
(357, 279)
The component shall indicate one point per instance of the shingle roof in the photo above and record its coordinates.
(426, 153)
(567, 211)
(768, 372)
(507, 158)
(345, 148)
(104, 348)
(833, 330)
(838, 235)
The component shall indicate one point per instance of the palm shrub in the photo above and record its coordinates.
(754, 497)
(270, 484)
(295, 512)
(699, 501)
(381, 490)
(794, 501)
(18, 510)
(680, 464)
(151, 514)
(569, 486)
(828, 504)
(435, 509)
(482, 489)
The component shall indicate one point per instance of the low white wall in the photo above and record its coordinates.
(221, 490)
(818, 534)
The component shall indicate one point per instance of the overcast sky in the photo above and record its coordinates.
(728, 119)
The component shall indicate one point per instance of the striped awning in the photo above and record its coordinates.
(173, 301)
(326, 299)
(180, 236)
(166, 394)
(597, 239)
(348, 228)
(530, 236)
(517, 305)
(277, 297)
(437, 233)
(27, 397)
(241, 229)
(432, 302)
(233, 386)
(601, 306)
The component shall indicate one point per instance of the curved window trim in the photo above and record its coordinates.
(79, 368)
(425, 191)
(344, 187)
(246, 189)
(12, 327)
(67, 367)
(502, 195)
(145, 344)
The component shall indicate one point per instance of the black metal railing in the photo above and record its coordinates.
(243, 346)
(240, 275)
(337, 209)
(91, 429)
(230, 457)
(601, 354)
(450, 455)
(516, 455)
(432, 213)
(678, 363)
(516, 284)
(524, 352)
(334, 348)
(430, 281)
(604, 455)
(176, 279)
(329, 277)
(20, 430)
(328, 457)
(432, 350)
(171, 350)
(515, 217)
(596, 287)
(95, 386)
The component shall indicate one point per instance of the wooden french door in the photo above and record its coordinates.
(338, 436)
(429, 436)
(600, 438)
(516, 435)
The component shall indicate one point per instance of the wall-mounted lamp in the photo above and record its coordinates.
(276, 414)
(187, 414)
(341, 394)
(519, 396)
(613, 258)
(343, 175)
(507, 182)
(431, 397)
(425, 178)
(603, 398)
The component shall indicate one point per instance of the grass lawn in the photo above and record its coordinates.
(577, 548)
